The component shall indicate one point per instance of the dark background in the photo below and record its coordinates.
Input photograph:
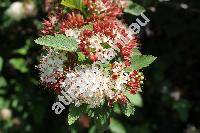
(171, 101)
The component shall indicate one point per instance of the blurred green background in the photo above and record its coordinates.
(170, 102)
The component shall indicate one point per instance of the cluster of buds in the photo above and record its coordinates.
(72, 20)
(104, 8)
(48, 28)
(136, 79)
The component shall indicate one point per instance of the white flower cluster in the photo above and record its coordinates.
(104, 6)
(122, 78)
(101, 7)
(87, 85)
(50, 65)
(104, 55)
(73, 33)
(91, 85)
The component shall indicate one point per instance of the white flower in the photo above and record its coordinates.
(95, 43)
(30, 8)
(109, 54)
(50, 64)
(87, 85)
(121, 80)
(92, 86)
(19, 10)
(5, 113)
(73, 33)
(100, 6)
(103, 54)
(16, 11)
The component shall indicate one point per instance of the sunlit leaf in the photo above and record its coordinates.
(116, 108)
(81, 56)
(59, 41)
(19, 64)
(74, 4)
(128, 109)
(101, 116)
(136, 52)
(134, 9)
(3, 82)
(136, 99)
(22, 51)
(141, 61)
(74, 113)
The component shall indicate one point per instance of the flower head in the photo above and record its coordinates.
(106, 47)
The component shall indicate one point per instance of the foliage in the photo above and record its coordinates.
(141, 61)
(116, 126)
(74, 4)
(59, 42)
(134, 9)
(1, 63)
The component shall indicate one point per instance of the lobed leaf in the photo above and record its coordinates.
(74, 114)
(134, 9)
(101, 117)
(59, 41)
(141, 61)
(136, 99)
(136, 52)
(74, 4)
(128, 109)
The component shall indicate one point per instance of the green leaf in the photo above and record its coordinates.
(128, 69)
(92, 129)
(81, 56)
(19, 64)
(101, 123)
(1, 63)
(3, 82)
(116, 126)
(101, 116)
(59, 41)
(134, 9)
(24, 50)
(74, 4)
(182, 107)
(128, 109)
(4, 103)
(21, 51)
(74, 114)
(136, 99)
(116, 108)
(136, 52)
(141, 61)
(87, 27)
